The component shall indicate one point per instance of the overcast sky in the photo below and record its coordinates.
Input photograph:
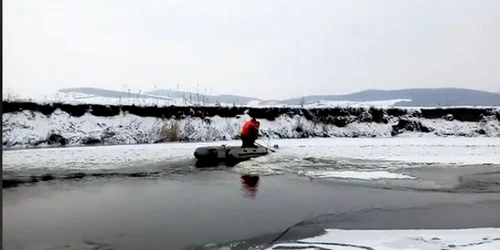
(267, 49)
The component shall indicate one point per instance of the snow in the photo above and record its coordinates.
(47, 97)
(380, 103)
(27, 128)
(335, 239)
(449, 150)
(97, 158)
(156, 100)
(132, 99)
(253, 103)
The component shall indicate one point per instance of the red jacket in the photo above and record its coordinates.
(250, 128)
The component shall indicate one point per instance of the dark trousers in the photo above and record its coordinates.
(248, 142)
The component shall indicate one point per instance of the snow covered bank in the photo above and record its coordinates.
(475, 238)
(32, 124)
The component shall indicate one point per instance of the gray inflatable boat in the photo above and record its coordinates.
(225, 153)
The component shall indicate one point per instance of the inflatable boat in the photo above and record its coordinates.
(227, 154)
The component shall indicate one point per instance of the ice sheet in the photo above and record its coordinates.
(307, 155)
(329, 156)
(460, 239)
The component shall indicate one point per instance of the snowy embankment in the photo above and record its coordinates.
(32, 124)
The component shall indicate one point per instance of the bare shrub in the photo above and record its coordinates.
(170, 131)
(299, 126)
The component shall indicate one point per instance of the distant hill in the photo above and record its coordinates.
(421, 97)
(163, 94)
(107, 93)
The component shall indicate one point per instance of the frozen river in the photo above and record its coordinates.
(410, 191)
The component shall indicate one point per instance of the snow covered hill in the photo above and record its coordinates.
(162, 97)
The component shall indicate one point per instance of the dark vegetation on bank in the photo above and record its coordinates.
(324, 115)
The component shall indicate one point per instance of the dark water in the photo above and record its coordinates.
(220, 207)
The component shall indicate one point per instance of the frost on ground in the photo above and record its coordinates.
(459, 239)
(31, 129)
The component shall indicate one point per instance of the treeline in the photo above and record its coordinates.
(324, 115)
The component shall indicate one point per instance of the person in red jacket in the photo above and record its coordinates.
(249, 133)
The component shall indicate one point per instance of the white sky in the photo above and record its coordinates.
(266, 49)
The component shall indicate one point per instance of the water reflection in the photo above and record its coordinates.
(250, 185)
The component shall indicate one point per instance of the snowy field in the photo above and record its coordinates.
(154, 100)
